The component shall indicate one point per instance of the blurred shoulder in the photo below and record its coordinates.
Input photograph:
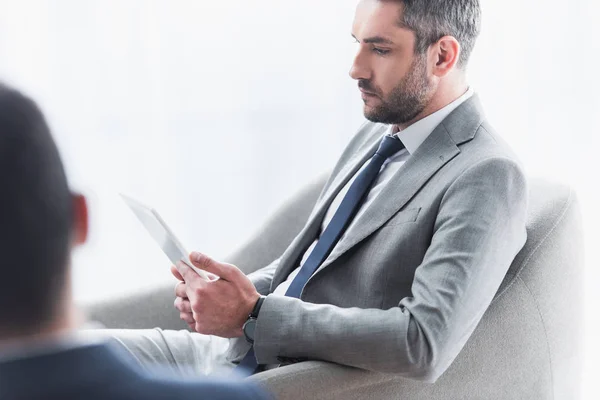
(197, 389)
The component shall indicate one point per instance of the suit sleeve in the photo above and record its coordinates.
(479, 229)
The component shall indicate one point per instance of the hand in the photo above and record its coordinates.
(219, 307)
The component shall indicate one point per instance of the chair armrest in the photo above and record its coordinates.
(314, 380)
(148, 309)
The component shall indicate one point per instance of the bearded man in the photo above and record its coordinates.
(409, 240)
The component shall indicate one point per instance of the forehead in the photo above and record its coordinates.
(379, 18)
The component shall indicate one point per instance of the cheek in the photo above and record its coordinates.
(388, 84)
(391, 73)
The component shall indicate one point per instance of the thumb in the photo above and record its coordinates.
(222, 270)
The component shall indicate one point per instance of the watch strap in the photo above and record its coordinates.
(257, 306)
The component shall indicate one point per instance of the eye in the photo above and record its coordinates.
(381, 52)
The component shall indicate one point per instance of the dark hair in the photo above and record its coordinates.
(431, 20)
(35, 217)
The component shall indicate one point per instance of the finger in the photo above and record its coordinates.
(183, 306)
(192, 326)
(187, 318)
(223, 270)
(188, 274)
(176, 273)
(181, 290)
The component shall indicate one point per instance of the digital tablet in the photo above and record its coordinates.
(163, 235)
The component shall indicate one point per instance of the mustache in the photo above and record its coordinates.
(366, 86)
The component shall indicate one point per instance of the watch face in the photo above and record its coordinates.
(249, 328)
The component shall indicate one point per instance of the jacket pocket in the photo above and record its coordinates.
(403, 217)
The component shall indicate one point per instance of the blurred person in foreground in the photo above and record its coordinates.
(409, 241)
(41, 221)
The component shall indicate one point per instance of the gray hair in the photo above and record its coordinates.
(431, 20)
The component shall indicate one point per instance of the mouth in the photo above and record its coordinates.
(367, 93)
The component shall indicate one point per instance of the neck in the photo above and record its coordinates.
(444, 95)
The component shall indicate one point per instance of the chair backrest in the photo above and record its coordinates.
(547, 277)
(274, 236)
(529, 340)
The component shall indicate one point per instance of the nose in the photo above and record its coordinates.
(360, 69)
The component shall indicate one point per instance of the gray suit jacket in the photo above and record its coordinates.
(405, 287)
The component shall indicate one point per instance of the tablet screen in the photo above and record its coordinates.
(161, 233)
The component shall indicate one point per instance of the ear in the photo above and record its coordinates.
(80, 219)
(445, 55)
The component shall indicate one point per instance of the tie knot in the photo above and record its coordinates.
(389, 146)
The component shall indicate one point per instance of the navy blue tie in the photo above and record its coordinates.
(341, 219)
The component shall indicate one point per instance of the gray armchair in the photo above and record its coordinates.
(527, 346)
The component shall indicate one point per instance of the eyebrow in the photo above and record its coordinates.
(375, 39)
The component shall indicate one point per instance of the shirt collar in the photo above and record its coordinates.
(414, 135)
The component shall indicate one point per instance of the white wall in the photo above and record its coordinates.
(214, 112)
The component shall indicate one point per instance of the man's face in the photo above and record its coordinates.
(394, 83)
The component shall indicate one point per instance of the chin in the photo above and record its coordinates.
(369, 109)
(370, 113)
(371, 117)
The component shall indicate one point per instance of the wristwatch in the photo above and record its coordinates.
(250, 324)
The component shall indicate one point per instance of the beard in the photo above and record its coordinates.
(406, 101)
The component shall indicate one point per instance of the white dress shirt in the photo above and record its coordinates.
(412, 137)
